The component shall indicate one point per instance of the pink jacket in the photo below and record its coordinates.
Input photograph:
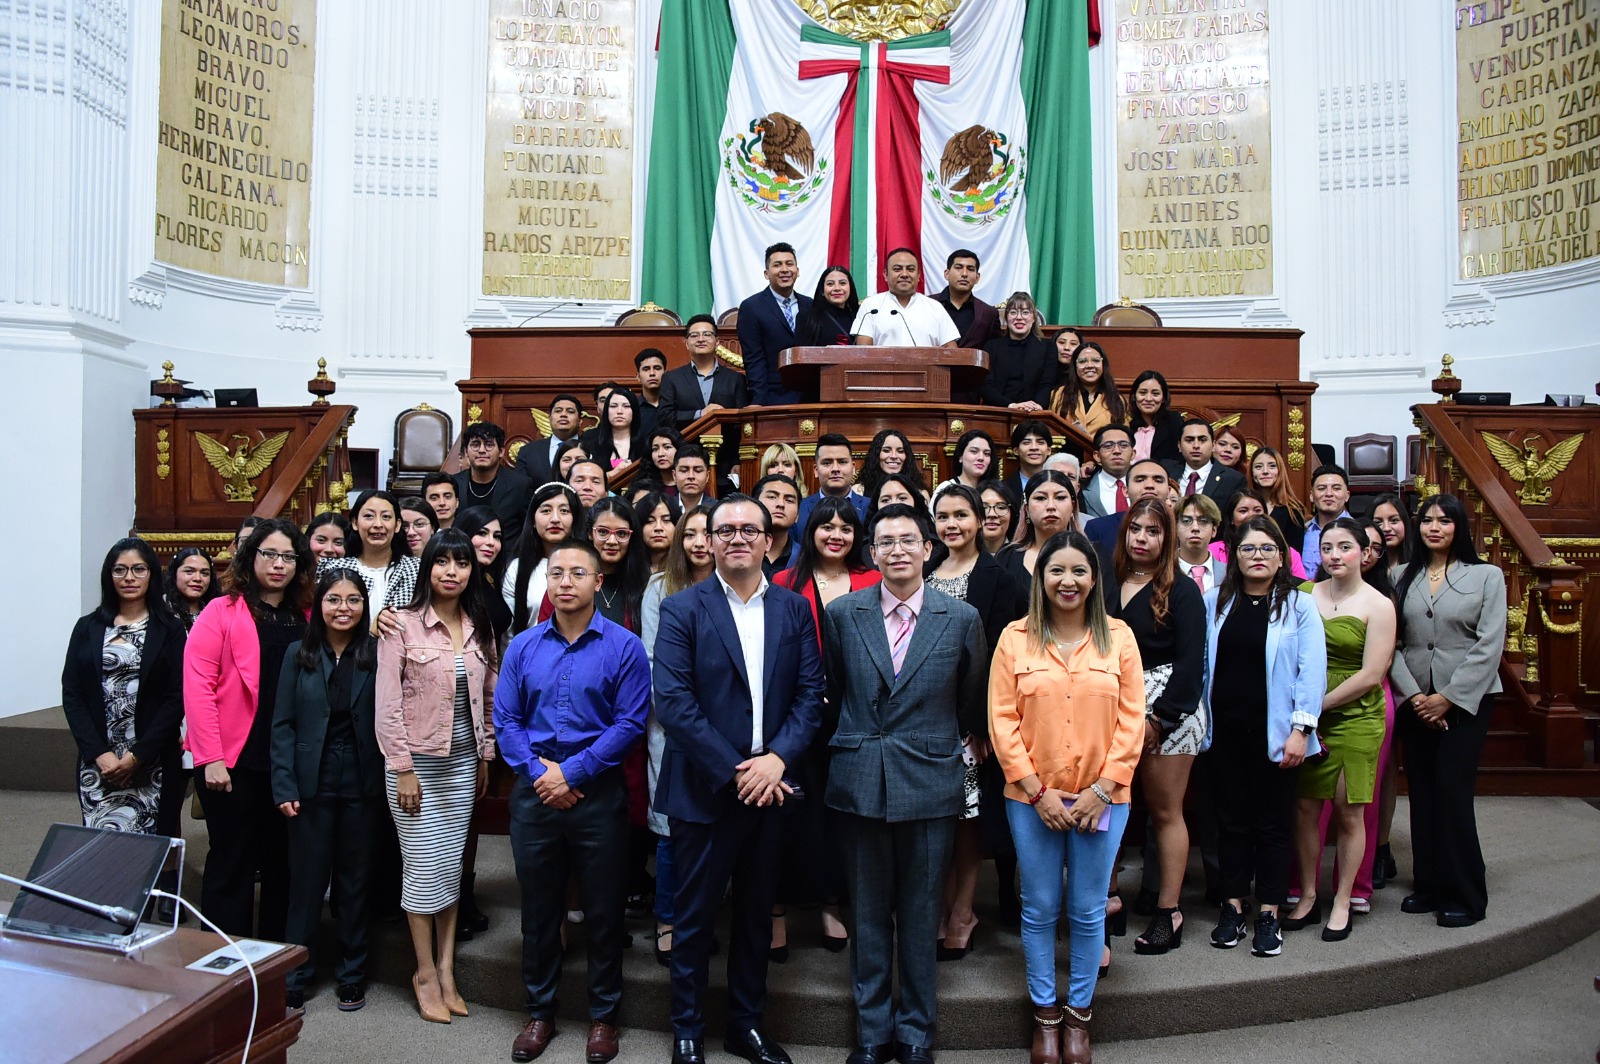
(221, 680)
(417, 690)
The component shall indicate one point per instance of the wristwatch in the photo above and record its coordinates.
(1304, 729)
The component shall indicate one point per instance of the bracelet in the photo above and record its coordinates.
(1039, 797)
(1100, 793)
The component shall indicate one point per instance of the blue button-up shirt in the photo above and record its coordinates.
(1311, 544)
(581, 704)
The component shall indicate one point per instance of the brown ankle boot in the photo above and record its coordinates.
(1075, 1048)
(1046, 1035)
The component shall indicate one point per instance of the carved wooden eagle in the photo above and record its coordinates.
(785, 145)
(1528, 468)
(971, 150)
(243, 464)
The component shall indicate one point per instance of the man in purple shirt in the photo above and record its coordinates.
(571, 702)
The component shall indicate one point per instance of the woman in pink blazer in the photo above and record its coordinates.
(230, 671)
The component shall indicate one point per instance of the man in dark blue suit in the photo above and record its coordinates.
(767, 322)
(738, 691)
(1146, 478)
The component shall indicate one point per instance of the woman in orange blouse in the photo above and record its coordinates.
(1066, 719)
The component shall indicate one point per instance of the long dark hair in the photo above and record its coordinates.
(823, 322)
(342, 523)
(963, 442)
(315, 639)
(1378, 575)
(1284, 584)
(1035, 482)
(457, 545)
(530, 549)
(473, 521)
(828, 507)
(1007, 492)
(398, 547)
(676, 574)
(1166, 563)
(919, 496)
(154, 596)
(634, 572)
(1135, 415)
(1074, 391)
(872, 473)
(176, 602)
(1406, 522)
(241, 579)
(1462, 549)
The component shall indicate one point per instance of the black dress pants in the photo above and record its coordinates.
(1441, 774)
(549, 846)
(1255, 800)
(247, 835)
(740, 846)
(332, 836)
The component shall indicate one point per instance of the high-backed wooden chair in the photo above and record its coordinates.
(1125, 313)
(422, 439)
(1371, 462)
(648, 314)
(728, 319)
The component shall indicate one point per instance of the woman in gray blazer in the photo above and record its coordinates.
(1445, 676)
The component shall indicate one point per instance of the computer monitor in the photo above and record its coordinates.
(108, 867)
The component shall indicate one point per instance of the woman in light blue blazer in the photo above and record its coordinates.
(1267, 669)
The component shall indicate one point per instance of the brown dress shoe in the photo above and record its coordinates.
(536, 1034)
(602, 1042)
(1046, 1035)
(1075, 1048)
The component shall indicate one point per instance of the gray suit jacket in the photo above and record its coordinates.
(1092, 506)
(897, 752)
(1451, 643)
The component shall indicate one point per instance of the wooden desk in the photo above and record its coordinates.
(85, 1006)
(840, 374)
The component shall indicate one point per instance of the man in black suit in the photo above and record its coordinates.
(906, 672)
(703, 386)
(738, 691)
(487, 482)
(536, 460)
(1198, 473)
(977, 321)
(767, 322)
(650, 365)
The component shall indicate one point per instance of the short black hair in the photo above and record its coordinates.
(737, 497)
(900, 509)
(909, 251)
(833, 439)
(696, 320)
(601, 389)
(1150, 461)
(1100, 433)
(579, 545)
(1196, 421)
(691, 449)
(1330, 469)
(776, 249)
(569, 397)
(483, 430)
(433, 479)
(1031, 427)
(962, 253)
(644, 356)
(774, 478)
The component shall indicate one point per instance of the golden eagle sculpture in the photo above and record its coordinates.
(1527, 468)
(971, 150)
(241, 465)
(785, 146)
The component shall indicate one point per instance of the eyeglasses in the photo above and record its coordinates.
(727, 533)
(1190, 520)
(482, 445)
(120, 571)
(577, 576)
(996, 507)
(620, 535)
(702, 336)
(351, 601)
(272, 557)
(1254, 550)
(1114, 445)
(905, 543)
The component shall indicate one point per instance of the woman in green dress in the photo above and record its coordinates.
(1359, 623)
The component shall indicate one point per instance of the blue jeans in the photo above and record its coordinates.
(1088, 857)
(666, 880)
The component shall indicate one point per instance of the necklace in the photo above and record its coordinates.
(824, 581)
(1438, 574)
(1062, 644)
(610, 600)
(1340, 602)
(472, 489)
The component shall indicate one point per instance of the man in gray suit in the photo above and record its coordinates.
(906, 668)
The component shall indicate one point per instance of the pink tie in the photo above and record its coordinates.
(1199, 574)
(1194, 482)
(902, 637)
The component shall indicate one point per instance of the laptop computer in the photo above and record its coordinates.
(107, 867)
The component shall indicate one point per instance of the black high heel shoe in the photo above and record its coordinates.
(1106, 967)
(1161, 935)
(1295, 923)
(1117, 922)
(1331, 935)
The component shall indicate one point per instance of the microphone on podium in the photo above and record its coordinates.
(548, 310)
(115, 913)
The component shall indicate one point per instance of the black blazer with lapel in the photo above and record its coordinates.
(1164, 444)
(680, 393)
(533, 462)
(158, 707)
(1019, 372)
(300, 728)
(897, 752)
(1219, 486)
(994, 591)
(702, 695)
(763, 333)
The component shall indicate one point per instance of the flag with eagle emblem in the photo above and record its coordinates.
(772, 128)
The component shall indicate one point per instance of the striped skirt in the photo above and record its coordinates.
(432, 841)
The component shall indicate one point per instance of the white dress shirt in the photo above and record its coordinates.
(750, 619)
(1199, 485)
(922, 322)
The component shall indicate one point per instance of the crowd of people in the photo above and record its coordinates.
(841, 700)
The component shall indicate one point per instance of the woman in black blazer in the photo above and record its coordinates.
(1022, 363)
(969, 573)
(327, 778)
(1156, 426)
(122, 693)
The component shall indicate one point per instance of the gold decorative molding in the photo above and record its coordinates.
(1527, 468)
(154, 538)
(243, 464)
(422, 406)
(515, 449)
(163, 454)
(1226, 422)
(1560, 629)
(957, 426)
(868, 21)
(650, 306)
(708, 440)
(474, 414)
(749, 429)
(1297, 438)
(808, 427)
(1572, 541)
(727, 355)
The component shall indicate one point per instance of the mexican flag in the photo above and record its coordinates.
(769, 127)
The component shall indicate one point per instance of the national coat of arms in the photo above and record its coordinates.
(980, 176)
(774, 167)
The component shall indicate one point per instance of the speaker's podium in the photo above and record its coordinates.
(851, 374)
